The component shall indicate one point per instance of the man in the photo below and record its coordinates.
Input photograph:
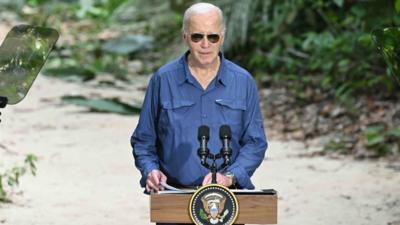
(200, 88)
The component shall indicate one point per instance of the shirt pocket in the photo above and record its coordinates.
(232, 110)
(174, 112)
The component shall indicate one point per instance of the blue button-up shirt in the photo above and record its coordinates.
(175, 106)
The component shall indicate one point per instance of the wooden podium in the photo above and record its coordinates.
(255, 207)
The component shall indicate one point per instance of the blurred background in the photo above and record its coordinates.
(328, 71)
(320, 59)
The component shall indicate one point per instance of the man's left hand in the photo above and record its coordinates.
(221, 179)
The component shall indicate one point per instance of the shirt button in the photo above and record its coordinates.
(204, 115)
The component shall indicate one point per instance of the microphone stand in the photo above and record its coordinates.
(214, 168)
(204, 153)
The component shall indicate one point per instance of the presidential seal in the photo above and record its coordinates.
(213, 205)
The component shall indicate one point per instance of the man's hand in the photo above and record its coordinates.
(154, 180)
(221, 179)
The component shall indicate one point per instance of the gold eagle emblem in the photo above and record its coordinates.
(214, 205)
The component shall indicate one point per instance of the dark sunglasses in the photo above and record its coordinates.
(196, 37)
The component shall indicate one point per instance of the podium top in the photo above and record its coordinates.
(255, 192)
(235, 191)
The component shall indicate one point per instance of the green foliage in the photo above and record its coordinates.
(85, 61)
(9, 178)
(388, 42)
(36, 2)
(98, 9)
(104, 35)
(397, 6)
(381, 139)
(302, 44)
(71, 72)
(378, 139)
(158, 18)
(324, 47)
(128, 44)
(12, 4)
(103, 105)
(343, 145)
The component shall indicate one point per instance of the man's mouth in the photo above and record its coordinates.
(205, 53)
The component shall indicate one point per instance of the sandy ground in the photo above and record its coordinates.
(86, 174)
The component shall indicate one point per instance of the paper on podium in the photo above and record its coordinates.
(169, 187)
(173, 190)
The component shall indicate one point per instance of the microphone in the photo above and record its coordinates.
(225, 136)
(203, 135)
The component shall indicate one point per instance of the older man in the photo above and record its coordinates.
(199, 88)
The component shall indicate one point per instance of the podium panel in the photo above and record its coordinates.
(255, 207)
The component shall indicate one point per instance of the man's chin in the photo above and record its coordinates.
(205, 61)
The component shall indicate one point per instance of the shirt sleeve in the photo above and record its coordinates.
(143, 139)
(254, 141)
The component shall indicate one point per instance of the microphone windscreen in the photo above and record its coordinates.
(203, 131)
(225, 132)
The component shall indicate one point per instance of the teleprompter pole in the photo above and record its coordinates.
(3, 103)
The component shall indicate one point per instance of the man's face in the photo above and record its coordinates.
(204, 51)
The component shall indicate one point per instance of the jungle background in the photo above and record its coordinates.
(328, 76)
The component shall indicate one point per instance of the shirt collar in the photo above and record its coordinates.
(188, 77)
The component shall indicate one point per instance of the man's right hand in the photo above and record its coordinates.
(154, 180)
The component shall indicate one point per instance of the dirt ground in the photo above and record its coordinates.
(86, 173)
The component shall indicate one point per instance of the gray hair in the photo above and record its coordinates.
(201, 8)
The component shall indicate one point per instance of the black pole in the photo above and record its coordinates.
(3, 103)
(214, 172)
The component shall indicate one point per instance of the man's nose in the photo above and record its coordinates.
(204, 42)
